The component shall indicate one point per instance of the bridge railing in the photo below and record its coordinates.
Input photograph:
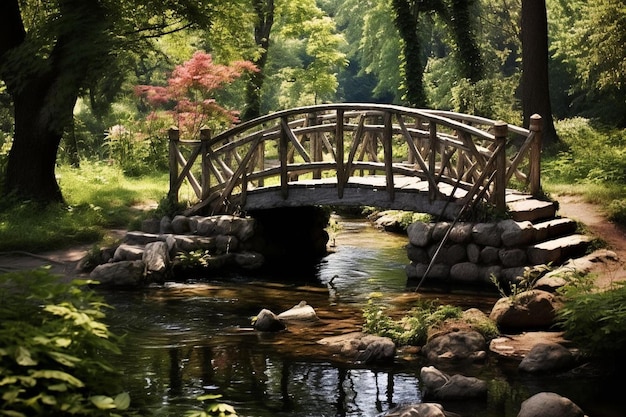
(469, 156)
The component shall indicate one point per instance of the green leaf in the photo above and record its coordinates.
(58, 387)
(63, 341)
(23, 358)
(48, 399)
(102, 402)
(60, 375)
(12, 413)
(11, 395)
(122, 401)
(64, 359)
(209, 397)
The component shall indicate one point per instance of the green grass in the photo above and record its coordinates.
(98, 197)
(590, 161)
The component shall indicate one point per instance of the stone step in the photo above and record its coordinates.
(557, 251)
(554, 228)
(532, 210)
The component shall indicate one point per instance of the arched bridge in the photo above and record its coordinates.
(359, 154)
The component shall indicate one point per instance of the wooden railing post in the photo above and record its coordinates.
(432, 160)
(500, 129)
(388, 155)
(535, 155)
(315, 145)
(205, 136)
(261, 161)
(174, 138)
(283, 141)
(339, 152)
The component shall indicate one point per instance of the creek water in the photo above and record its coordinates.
(188, 339)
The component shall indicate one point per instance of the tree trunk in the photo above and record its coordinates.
(39, 119)
(460, 22)
(535, 84)
(406, 19)
(262, 30)
(44, 91)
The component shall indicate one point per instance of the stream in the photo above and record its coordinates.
(191, 339)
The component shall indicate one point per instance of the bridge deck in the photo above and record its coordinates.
(410, 193)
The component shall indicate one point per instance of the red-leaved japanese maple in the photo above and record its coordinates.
(189, 94)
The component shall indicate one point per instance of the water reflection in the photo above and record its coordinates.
(187, 340)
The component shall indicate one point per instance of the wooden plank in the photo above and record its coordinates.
(388, 153)
(295, 142)
(341, 173)
(356, 140)
(283, 155)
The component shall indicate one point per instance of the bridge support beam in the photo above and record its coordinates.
(500, 132)
(535, 155)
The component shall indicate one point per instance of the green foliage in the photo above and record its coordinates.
(98, 196)
(589, 161)
(589, 154)
(595, 321)
(309, 75)
(525, 283)
(617, 211)
(52, 349)
(213, 408)
(493, 98)
(412, 329)
(193, 259)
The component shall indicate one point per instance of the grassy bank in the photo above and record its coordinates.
(590, 161)
(98, 197)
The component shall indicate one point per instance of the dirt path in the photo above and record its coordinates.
(597, 225)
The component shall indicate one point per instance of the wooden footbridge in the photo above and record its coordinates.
(359, 155)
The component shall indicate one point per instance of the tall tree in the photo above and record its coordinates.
(407, 13)
(264, 11)
(535, 84)
(457, 16)
(51, 52)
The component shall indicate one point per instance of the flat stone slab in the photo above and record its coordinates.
(557, 250)
(554, 228)
(531, 210)
(517, 346)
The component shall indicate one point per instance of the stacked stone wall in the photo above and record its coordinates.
(474, 253)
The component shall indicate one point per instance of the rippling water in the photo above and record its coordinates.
(186, 340)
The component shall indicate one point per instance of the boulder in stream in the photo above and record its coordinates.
(419, 410)
(266, 321)
(302, 312)
(361, 347)
(549, 404)
(441, 386)
(546, 357)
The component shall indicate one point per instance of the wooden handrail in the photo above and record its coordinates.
(342, 140)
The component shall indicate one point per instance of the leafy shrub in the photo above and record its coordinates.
(617, 211)
(589, 154)
(52, 348)
(595, 321)
(412, 329)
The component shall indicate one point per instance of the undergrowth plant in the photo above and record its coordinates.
(412, 329)
(213, 407)
(595, 321)
(53, 345)
(525, 283)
